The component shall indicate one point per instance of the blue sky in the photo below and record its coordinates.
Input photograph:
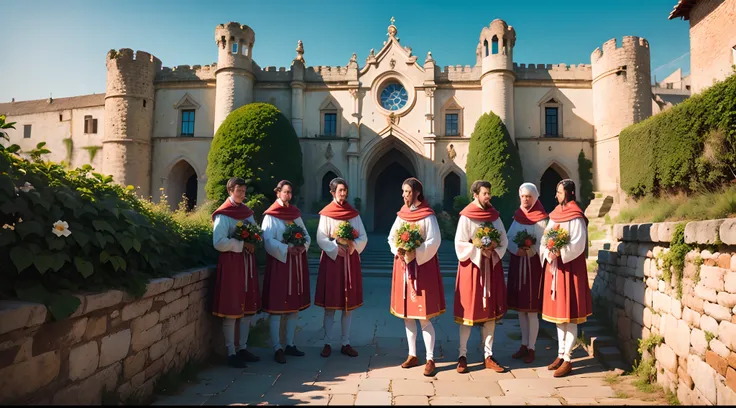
(58, 47)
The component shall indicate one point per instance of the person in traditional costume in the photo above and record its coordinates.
(286, 282)
(340, 281)
(566, 298)
(236, 286)
(480, 291)
(525, 269)
(417, 293)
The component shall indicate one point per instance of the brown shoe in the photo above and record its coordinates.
(326, 351)
(564, 369)
(529, 356)
(429, 368)
(521, 353)
(348, 351)
(491, 364)
(462, 365)
(280, 357)
(555, 364)
(410, 362)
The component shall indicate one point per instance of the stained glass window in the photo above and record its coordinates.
(394, 97)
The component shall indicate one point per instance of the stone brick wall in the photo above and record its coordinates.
(111, 342)
(697, 358)
(712, 38)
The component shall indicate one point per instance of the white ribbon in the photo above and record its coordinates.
(553, 270)
(248, 269)
(525, 270)
(485, 275)
(348, 280)
(298, 260)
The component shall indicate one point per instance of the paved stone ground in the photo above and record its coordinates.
(375, 378)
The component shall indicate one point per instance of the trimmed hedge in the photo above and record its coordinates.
(258, 143)
(586, 180)
(492, 156)
(690, 147)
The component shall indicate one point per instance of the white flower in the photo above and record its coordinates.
(8, 226)
(61, 228)
(27, 187)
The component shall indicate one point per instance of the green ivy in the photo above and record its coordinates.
(674, 259)
(92, 152)
(69, 145)
(586, 180)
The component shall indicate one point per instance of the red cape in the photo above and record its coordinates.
(531, 217)
(474, 212)
(569, 212)
(339, 212)
(422, 212)
(236, 212)
(289, 213)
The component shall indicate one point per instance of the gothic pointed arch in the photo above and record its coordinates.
(186, 109)
(330, 117)
(550, 114)
(452, 117)
(552, 174)
(181, 183)
(187, 102)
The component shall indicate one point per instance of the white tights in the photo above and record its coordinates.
(529, 323)
(345, 321)
(487, 331)
(566, 335)
(427, 334)
(275, 328)
(228, 329)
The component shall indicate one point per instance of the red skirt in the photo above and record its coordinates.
(285, 287)
(573, 303)
(469, 306)
(524, 287)
(338, 288)
(232, 299)
(427, 301)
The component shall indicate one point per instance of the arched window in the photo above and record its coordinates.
(452, 190)
(494, 45)
(326, 196)
(485, 47)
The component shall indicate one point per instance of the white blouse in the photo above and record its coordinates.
(223, 229)
(273, 233)
(466, 250)
(535, 230)
(430, 230)
(578, 239)
(326, 228)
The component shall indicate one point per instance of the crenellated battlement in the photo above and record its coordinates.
(320, 73)
(131, 73)
(188, 73)
(633, 51)
(234, 32)
(272, 74)
(553, 71)
(459, 73)
(126, 56)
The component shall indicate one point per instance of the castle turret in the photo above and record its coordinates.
(129, 117)
(497, 78)
(234, 69)
(621, 97)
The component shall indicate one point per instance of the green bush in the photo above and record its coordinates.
(116, 240)
(258, 143)
(688, 148)
(492, 156)
(586, 180)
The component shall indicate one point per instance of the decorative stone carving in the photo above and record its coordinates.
(392, 63)
(300, 51)
(451, 153)
(353, 91)
(372, 54)
(354, 58)
(429, 57)
(429, 92)
(329, 154)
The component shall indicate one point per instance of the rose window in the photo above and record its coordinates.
(394, 97)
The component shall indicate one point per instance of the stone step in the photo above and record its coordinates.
(608, 355)
(599, 207)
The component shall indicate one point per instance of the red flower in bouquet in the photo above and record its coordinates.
(405, 236)
(298, 236)
(550, 243)
(355, 234)
(528, 243)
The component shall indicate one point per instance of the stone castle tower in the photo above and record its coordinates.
(234, 73)
(496, 47)
(129, 108)
(622, 96)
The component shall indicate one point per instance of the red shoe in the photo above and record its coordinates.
(348, 351)
(326, 351)
(521, 353)
(529, 356)
(564, 369)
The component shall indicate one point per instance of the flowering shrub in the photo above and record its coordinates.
(67, 231)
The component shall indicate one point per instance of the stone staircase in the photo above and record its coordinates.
(600, 206)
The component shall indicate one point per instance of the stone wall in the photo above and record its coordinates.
(697, 358)
(112, 342)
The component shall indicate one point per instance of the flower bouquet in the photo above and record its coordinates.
(485, 235)
(294, 235)
(249, 233)
(556, 238)
(524, 240)
(409, 238)
(344, 233)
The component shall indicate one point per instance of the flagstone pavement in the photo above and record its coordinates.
(375, 377)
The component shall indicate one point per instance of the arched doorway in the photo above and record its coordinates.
(325, 196)
(182, 185)
(384, 187)
(452, 190)
(548, 187)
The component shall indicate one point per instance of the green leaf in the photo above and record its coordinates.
(102, 225)
(126, 242)
(7, 237)
(83, 267)
(60, 259)
(120, 263)
(7, 186)
(137, 245)
(35, 293)
(62, 306)
(101, 239)
(13, 148)
(43, 263)
(35, 196)
(26, 228)
(22, 258)
(104, 256)
(56, 243)
(81, 238)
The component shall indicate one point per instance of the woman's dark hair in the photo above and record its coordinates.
(569, 187)
(281, 185)
(234, 182)
(416, 187)
(478, 184)
(336, 182)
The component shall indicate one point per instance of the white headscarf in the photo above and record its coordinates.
(531, 190)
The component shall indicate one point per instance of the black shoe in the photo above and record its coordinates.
(279, 356)
(293, 351)
(247, 356)
(235, 361)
